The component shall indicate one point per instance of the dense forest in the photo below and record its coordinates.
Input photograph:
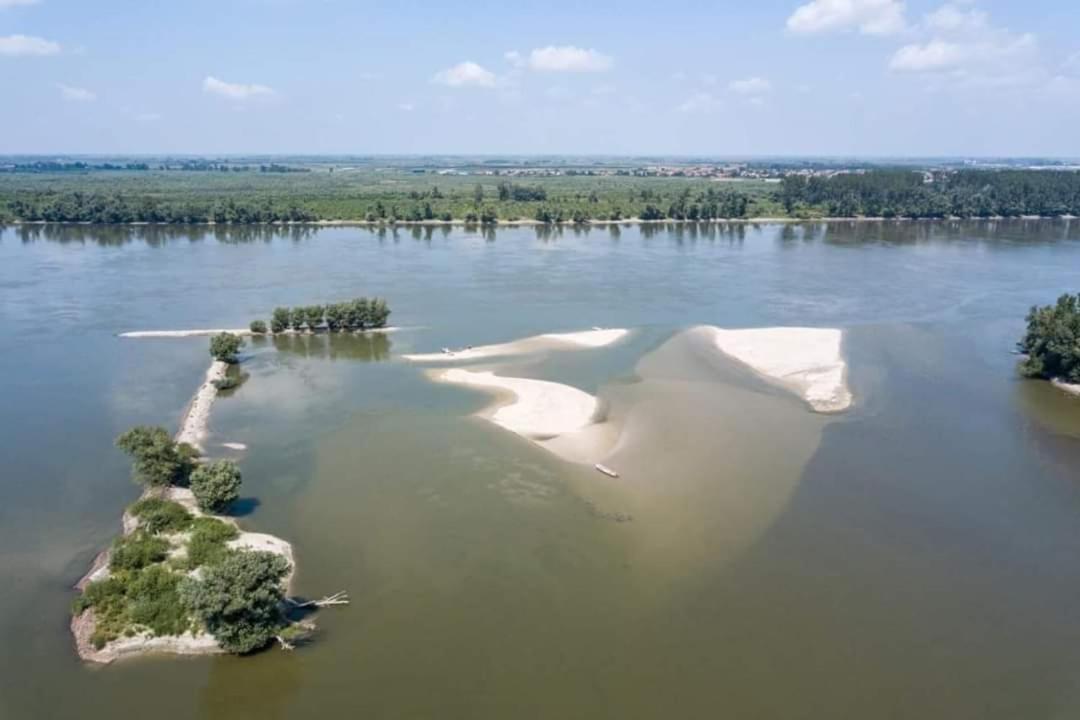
(273, 195)
(903, 193)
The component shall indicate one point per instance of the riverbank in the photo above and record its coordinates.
(758, 220)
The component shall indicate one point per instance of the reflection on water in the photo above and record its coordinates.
(914, 558)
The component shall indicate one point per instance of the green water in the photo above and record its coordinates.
(915, 557)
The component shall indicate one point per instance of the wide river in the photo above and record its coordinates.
(915, 557)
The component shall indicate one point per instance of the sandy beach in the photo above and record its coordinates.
(539, 409)
(1071, 388)
(807, 361)
(193, 427)
(599, 337)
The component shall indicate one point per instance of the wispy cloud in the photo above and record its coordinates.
(700, 102)
(751, 87)
(235, 91)
(962, 46)
(406, 107)
(465, 74)
(567, 58)
(27, 45)
(76, 94)
(15, 3)
(870, 17)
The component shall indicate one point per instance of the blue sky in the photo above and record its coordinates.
(790, 77)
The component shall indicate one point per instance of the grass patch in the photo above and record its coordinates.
(208, 542)
(137, 550)
(130, 602)
(156, 515)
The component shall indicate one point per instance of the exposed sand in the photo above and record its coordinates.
(234, 446)
(539, 410)
(1071, 388)
(549, 341)
(193, 428)
(241, 332)
(807, 361)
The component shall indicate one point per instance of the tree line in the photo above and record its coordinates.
(917, 194)
(115, 209)
(351, 315)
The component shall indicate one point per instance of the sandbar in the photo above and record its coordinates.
(807, 361)
(595, 338)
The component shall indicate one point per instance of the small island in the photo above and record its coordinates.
(1052, 343)
(183, 578)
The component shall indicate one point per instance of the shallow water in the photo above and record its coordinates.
(912, 558)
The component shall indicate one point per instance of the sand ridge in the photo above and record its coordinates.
(586, 339)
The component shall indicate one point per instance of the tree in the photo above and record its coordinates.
(159, 461)
(279, 321)
(1052, 341)
(313, 315)
(258, 327)
(240, 600)
(478, 194)
(225, 346)
(216, 485)
(297, 317)
(335, 316)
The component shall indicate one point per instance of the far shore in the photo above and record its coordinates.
(538, 223)
(243, 332)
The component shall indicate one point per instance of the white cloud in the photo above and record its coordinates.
(870, 17)
(568, 58)
(514, 58)
(700, 102)
(753, 86)
(20, 45)
(76, 94)
(465, 74)
(235, 91)
(14, 3)
(964, 45)
(1072, 63)
(406, 107)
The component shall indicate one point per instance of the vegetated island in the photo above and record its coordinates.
(1052, 343)
(357, 315)
(327, 193)
(183, 578)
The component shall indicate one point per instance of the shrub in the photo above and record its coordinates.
(159, 461)
(239, 601)
(137, 550)
(258, 327)
(1052, 341)
(156, 515)
(216, 485)
(225, 346)
(207, 545)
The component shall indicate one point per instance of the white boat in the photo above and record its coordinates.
(606, 470)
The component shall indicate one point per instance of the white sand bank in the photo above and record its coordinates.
(241, 332)
(539, 409)
(234, 446)
(549, 341)
(807, 361)
(1071, 388)
(193, 428)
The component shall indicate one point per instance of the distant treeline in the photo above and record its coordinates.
(903, 193)
(118, 209)
(268, 196)
(48, 166)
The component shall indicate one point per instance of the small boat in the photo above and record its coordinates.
(606, 470)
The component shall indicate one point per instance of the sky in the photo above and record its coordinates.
(871, 78)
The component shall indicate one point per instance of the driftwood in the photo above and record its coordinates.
(285, 644)
(338, 598)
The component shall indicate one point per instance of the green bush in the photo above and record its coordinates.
(156, 515)
(239, 601)
(279, 321)
(207, 545)
(137, 550)
(258, 327)
(216, 485)
(1052, 341)
(225, 346)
